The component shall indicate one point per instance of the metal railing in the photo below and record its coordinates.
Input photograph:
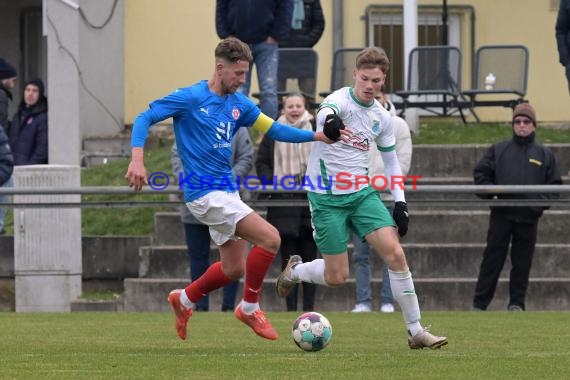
(258, 195)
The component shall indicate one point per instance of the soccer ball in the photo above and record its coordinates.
(312, 331)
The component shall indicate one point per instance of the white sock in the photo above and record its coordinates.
(185, 301)
(248, 307)
(313, 272)
(403, 289)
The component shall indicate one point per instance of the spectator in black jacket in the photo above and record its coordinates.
(518, 161)
(7, 84)
(261, 24)
(28, 132)
(563, 36)
(6, 168)
(279, 161)
(307, 26)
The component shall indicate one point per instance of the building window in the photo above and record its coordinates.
(385, 29)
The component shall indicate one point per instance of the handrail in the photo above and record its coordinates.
(461, 189)
(261, 203)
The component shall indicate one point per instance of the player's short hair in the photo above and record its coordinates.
(232, 50)
(372, 57)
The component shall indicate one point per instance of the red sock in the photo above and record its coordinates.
(256, 266)
(212, 279)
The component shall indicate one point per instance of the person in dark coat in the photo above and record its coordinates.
(261, 24)
(518, 161)
(28, 132)
(6, 169)
(307, 26)
(563, 36)
(289, 161)
(7, 84)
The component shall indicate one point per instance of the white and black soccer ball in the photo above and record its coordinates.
(312, 331)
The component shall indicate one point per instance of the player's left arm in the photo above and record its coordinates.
(285, 133)
(171, 105)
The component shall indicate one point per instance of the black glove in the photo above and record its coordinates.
(333, 125)
(401, 217)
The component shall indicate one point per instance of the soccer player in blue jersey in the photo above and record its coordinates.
(206, 116)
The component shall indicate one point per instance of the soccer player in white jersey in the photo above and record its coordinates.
(206, 116)
(347, 202)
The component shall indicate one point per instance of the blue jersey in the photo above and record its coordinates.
(204, 125)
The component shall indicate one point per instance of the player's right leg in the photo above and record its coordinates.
(265, 239)
(385, 242)
(220, 211)
(329, 216)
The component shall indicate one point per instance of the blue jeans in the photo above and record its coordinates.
(362, 274)
(265, 57)
(198, 242)
(3, 199)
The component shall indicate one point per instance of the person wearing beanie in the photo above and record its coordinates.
(517, 161)
(28, 131)
(7, 84)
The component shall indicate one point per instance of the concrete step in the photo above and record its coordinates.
(471, 227)
(103, 257)
(426, 226)
(433, 294)
(459, 160)
(97, 305)
(425, 260)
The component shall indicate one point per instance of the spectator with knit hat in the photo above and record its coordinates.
(517, 161)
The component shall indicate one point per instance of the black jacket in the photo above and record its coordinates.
(5, 98)
(518, 161)
(312, 29)
(252, 21)
(6, 159)
(289, 221)
(28, 134)
(563, 32)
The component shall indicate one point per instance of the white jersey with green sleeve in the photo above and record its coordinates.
(332, 167)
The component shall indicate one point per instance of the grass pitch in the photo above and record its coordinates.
(482, 345)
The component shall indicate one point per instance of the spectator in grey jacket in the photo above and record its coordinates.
(563, 36)
(197, 234)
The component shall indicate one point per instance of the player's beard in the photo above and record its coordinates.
(229, 89)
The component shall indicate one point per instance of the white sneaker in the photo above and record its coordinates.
(387, 308)
(362, 308)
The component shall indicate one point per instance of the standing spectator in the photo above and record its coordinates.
(7, 84)
(6, 169)
(261, 24)
(307, 26)
(28, 132)
(198, 234)
(360, 256)
(284, 160)
(518, 161)
(563, 36)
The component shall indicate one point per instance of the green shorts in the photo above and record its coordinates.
(333, 215)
